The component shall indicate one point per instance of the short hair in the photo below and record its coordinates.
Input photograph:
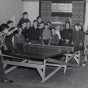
(77, 24)
(9, 22)
(3, 26)
(24, 13)
(67, 22)
(38, 17)
(35, 21)
(42, 23)
(46, 24)
(49, 22)
(25, 21)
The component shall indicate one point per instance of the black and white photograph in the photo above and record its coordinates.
(43, 43)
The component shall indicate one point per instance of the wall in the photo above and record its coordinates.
(86, 17)
(10, 9)
(78, 12)
(45, 10)
(32, 7)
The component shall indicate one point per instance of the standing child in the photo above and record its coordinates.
(27, 31)
(78, 41)
(66, 34)
(55, 36)
(35, 32)
(78, 37)
(19, 39)
(46, 35)
(3, 78)
(10, 35)
(39, 20)
(25, 16)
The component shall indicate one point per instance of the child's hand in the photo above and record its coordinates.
(67, 41)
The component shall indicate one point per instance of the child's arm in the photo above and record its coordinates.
(10, 32)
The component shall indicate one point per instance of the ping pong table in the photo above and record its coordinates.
(38, 57)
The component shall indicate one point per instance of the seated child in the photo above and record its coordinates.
(46, 35)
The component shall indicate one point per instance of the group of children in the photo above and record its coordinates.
(41, 32)
(16, 36)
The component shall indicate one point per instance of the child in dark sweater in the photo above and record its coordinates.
(23, 18)
(27, 31)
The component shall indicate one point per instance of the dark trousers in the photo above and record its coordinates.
(2, 74)
(46, 42)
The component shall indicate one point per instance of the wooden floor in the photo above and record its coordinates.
(29, 78)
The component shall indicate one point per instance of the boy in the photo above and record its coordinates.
(78, 37)
(55, 36)
(3, 78)
(39, 19)
(67, 34)
(23, 18)
(41, 28)
(46, 35)
(27, 31)
(10, 24)
(78, 41)
(9, 37)
(19, 41)
(35, 32)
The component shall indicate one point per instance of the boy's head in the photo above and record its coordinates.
(49, 23)
(41, 25)
(77, 27)
(39, 19)
(67, 25)
(25, 15)
(35, 23)
(23, 25)
(28, 24)
(10, 23)
(4, 28)
(46, 26)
